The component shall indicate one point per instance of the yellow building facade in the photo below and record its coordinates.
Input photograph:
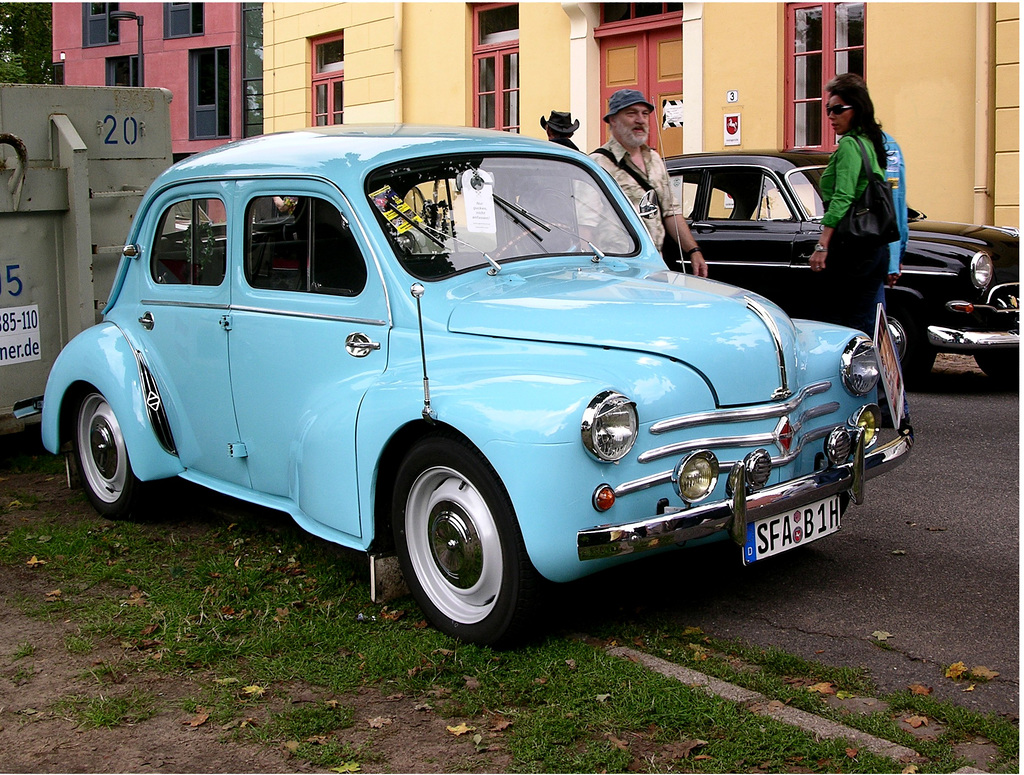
(944, 78)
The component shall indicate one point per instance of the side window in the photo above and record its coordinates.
(685, 186)
(190, 246)
(772, 206)
(301, 243)
(735, 195)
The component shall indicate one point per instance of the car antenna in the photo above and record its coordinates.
(428, 413)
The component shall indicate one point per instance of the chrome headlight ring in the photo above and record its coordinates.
(696, 475)
(982, 269)
(859, 366)
(610, 426)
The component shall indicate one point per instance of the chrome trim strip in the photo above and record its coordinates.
(668, 529)
(308, 315)
(740, 415)
(955, 339)
(186, 304)
(780, 355)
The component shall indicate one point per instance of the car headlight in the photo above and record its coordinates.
(859, 366)
(981, 269)
(609, 426)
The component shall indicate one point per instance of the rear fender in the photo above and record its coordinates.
(102, 360)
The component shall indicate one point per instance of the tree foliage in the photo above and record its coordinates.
(26, 43)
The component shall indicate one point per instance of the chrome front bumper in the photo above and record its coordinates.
(970, 341)
(734, 513)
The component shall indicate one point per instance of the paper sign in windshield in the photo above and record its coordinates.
(394, 209)
(478, 191)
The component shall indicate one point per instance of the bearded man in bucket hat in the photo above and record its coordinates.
(642, 175)
(560, 128)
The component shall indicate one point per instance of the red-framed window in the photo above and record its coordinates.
(822, 40)
(496, 67)
(329, 80)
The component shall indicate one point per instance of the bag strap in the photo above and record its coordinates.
(621, 164)
(868, 172)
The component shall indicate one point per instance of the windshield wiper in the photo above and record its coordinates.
(507, 205)
(495, 266)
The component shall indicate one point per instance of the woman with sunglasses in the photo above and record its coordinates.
(854, 281)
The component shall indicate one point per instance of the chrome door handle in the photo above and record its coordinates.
(359, 345)
(146, 321)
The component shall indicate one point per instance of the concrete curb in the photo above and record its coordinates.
(760, 705)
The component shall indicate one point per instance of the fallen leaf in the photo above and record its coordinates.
(34, 561)
(318, 739)
(571, 663)
(540, 681)
(291, 746)
(969, 688)
(53, 595)
(899, 552)
(852, 752)
(380, 722)
(346, 767)
(822, 688)
(983, 673)
(956, 671)
(919, 689)
(501, 725)
(683, 748)
(845, 695)
(254, 690)
(910, 769)
(198, 720)
(225, 681)
(472, 682)
(602, 697)
(620, 744)
(461, 729)
(701, 757)
(917, 721)
(881, 635)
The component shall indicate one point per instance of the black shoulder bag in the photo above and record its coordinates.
(871, 220)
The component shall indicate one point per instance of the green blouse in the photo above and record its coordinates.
(844, 178)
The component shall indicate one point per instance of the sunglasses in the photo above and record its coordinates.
(837, 110)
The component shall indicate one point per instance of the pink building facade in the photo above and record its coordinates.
(208, 55)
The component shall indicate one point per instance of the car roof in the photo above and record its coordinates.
(339, 151)
(781, 161)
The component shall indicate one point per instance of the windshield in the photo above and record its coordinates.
(805, 183)
(449, 215)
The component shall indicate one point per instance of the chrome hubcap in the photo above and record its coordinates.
(455, 545)
(103, 448)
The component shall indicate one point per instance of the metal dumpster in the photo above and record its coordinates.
(74, 163)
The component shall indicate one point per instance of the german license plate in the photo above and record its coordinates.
(778, 534)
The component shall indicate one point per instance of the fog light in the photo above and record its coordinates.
(696, 475)
(758, 466)
(869, 420)
(837, 446)
(604, 498)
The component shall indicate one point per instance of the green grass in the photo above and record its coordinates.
(256, 602)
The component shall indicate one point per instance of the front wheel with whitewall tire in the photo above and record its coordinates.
(459, 544)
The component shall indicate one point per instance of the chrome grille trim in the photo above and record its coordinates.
(740, 415)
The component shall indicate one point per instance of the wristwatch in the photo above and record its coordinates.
(819, 248)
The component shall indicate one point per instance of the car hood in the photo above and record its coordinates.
(705, 324)
(968, 235)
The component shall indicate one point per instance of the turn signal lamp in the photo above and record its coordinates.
(604, 497)
(696, 475)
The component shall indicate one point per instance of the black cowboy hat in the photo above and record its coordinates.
(560, 122)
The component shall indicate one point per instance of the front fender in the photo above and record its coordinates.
(101, 359)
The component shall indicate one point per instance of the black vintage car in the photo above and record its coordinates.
(757, 216)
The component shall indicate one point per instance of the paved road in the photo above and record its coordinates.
(931, 557)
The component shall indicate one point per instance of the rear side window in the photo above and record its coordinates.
(746, 195)
(190, 247)
(301, 243)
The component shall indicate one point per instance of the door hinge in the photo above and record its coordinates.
(237, 449)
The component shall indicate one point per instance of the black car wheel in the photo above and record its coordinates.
(916, 356)
(1001, 365)
(459, 544)
(102, 458)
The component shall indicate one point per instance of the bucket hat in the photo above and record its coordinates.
(623, 98)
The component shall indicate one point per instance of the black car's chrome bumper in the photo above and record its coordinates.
(734, 513)
(970, 341)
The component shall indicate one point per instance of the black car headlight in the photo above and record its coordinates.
(609, 426)
(981, 269)
(859, 366)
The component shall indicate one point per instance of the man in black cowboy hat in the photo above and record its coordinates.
(560, 128)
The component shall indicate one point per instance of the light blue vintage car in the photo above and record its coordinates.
(460, 347)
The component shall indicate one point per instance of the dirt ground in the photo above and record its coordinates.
(35, 736)
(38, 735)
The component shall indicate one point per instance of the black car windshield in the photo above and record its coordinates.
(449, 215)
